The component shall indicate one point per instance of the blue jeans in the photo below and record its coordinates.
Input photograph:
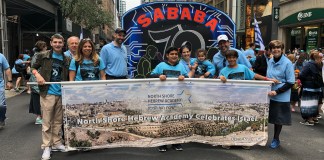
(3, 105)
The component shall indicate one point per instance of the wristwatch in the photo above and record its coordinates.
(10, 81)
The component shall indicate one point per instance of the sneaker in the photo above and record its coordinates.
(39, 120)
(163, 148)
(307, 123)
(16, 89)
(28, 92)
(177, 147)
(316, 120)
(46, 153)
(275, 144)
(58, 147)
(319, 116)
(2, 124)
(226, 147)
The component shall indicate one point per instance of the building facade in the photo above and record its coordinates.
(301, 24)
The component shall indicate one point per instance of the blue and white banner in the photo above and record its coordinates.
(150, 112)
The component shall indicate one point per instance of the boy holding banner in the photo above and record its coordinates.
(53, 66)
(238, 71)
(171, 69)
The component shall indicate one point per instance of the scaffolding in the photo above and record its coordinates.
(3, 28)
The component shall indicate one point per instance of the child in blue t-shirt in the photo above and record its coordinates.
(238, 71)
(203, 67)
(171, 69)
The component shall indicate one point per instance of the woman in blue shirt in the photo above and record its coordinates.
(280, 68)
(87, 64)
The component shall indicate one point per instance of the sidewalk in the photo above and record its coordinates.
(12, 93)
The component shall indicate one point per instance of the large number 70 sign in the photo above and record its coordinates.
(176, 36)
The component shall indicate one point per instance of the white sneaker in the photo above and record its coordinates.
(58, 147)
(46, 153)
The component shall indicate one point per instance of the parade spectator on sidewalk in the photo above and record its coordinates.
(4, 69)
(114, 56)
(280, 68)
(170, 69)
(34, 104)
(295, 91)
(72, 43)
(219, 59)
(53, 66)
(20, 70)
(87, 64)
(312, 81)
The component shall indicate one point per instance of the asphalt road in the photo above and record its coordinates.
(21, 140)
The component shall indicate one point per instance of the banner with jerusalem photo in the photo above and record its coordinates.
(150, 112)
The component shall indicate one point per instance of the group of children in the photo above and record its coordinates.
(200, 67)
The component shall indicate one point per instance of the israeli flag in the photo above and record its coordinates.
(257, 35)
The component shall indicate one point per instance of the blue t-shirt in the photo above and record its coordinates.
(17, 62)
(68, 54)
(115, 59)
(249, 52)
(3, 66)
(241, 72)
(220, 61)
(203, 67)
(169, 71)
(283, 71)
(185, 64)
(87, 71)
(55, 89)
(26, 57)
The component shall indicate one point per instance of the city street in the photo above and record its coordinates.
(21, 139)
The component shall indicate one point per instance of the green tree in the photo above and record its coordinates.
(89, 13)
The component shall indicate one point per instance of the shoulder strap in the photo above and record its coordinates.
(76, 66)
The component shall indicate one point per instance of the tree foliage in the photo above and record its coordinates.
(89, 13)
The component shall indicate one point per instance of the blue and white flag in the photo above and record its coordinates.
(257, 35)
(81, 34)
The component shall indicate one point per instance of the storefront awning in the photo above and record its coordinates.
(303, 17)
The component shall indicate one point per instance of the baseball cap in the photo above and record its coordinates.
(118, 30)
(222, 38)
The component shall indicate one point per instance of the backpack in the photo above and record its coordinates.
(20, 68)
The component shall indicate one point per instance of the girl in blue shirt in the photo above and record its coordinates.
(87, 64)
(186, 59)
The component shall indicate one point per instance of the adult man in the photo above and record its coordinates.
(261, 62)
(114, 56)
(72, 43)
(3, 106)
(219, 59)
(53, 66)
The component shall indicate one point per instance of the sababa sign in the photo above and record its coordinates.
(153, 27)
